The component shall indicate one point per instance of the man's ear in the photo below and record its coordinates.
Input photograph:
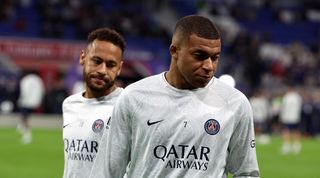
(120, 68)
(173, 51)
(82, 57)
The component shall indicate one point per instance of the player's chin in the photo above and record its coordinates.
(198, 84)
(201, 82)
(98, 86)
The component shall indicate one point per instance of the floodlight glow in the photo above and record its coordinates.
(228, 79)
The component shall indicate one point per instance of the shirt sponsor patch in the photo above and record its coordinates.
(97, 125)
(212, 126)
(253, 143)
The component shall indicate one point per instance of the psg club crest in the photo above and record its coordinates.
(212, 126)
(97, 125)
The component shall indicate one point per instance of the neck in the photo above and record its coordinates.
(176, 80)
(89, 93)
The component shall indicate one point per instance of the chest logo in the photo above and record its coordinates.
(65, 125)
(97, 125)
(151, 123)
(212, 126)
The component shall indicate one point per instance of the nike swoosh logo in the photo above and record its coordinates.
(65, 125)
(151, 123)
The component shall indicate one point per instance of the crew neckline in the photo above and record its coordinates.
(110, 95)
(185, 91)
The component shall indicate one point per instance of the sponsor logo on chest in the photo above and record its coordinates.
(81, 150)
(184, 156)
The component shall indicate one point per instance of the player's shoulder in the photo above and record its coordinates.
(145, 83)
(72, 98)
(234, 99)
(140, 90)
(113, 96)
(229, 93)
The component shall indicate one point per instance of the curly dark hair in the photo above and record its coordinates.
(109, 35)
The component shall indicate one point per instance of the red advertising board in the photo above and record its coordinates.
(40, 53)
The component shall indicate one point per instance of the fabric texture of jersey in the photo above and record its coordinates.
(84, 122)
(31, 91)
(171, 133)
(291, 108)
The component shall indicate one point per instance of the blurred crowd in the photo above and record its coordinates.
(267, 45)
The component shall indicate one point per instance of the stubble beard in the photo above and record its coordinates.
(97, 88)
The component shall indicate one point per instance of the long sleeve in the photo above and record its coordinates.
(242, 162)
(114, 152)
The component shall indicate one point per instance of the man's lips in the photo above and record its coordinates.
(206, 77)
(98, 80)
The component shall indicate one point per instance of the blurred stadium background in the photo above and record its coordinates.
(266, 46)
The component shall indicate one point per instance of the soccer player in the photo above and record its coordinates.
(183, 122)
(31, 94)
(290, 116)
(86, 114)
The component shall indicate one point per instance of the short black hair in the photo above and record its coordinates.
(198, 25)
(109, 35)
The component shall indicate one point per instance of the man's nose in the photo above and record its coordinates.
(208, 64)
(102, 68)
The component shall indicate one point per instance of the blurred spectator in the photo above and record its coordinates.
(31, 94)
(290, 116)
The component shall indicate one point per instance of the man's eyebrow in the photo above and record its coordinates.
(96, 57)
(200, 51)
(108, 60)
(206, 52)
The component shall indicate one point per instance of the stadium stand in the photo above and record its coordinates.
(266, 44)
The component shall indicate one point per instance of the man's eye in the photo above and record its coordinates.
(111, 65)
(201, 56)
(215, 57)
(96, 61)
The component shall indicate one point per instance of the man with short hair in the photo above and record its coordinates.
(183, 122)
(32, 90)
(86, 114)
(290, 117)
